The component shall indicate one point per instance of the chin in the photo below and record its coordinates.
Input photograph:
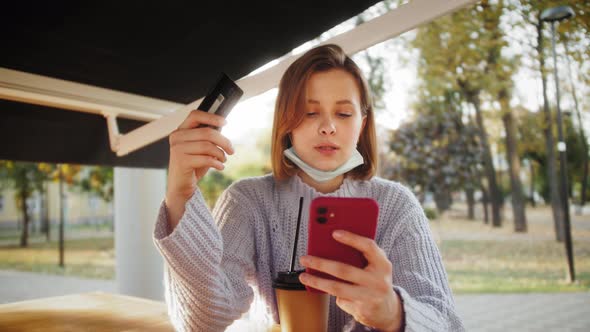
(326, 167)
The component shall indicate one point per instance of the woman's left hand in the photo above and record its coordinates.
(370, 297)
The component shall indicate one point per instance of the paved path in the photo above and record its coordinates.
(508, 312)
(525, 312)
(20, 286)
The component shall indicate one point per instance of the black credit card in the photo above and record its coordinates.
(222, 97)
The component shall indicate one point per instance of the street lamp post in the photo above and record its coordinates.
(553, 15)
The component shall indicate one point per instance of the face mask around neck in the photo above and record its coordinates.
(322, 176)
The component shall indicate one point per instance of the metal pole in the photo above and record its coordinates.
(61, 216)
(561, 146)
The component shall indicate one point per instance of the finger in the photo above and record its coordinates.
(367, 246)
(202, 134)
(197, 117)
(202, 148)
(204, 161)
(333, 287)
(337, 269)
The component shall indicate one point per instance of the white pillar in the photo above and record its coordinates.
(139, 266)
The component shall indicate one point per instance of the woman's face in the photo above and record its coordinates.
(333, 120)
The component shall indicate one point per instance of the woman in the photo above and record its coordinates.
(323, 144)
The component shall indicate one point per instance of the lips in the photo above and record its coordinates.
(327, 148)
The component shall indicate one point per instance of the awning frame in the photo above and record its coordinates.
(166, 116)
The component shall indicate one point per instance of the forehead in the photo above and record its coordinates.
(334, 83)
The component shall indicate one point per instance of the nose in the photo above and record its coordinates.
(327, 126)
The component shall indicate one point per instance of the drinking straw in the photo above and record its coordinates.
(296, 235)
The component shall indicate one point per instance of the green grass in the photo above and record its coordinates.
(15, 234)
(506, 264)
(86, 258)
(10, 235)
(473, 266)
(485, 266)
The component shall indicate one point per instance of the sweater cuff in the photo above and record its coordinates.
(358, 327)
(417, 315)
(162, 228)
(195, 222)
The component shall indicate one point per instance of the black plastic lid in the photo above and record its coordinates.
(288, 280)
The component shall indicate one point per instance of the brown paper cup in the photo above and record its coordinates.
(300, 310)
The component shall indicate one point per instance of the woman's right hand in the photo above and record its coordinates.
(193, 151)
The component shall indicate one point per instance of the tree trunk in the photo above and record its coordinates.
(422, 196)
(585, 157)
(24, 239)
(532, 184)
(518, 210)
(34, 222)
(442, 199)
(470, 203)
(494, 192)
(584, 179)
(45, 212)
(484, 201)
(581, 130)
(549, 146)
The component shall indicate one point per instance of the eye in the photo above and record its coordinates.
(344, 115)
(311, 114)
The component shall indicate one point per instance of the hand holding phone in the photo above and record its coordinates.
(327, 214)
(194, 149)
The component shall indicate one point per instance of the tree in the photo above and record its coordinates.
(19, 177)
(452, 57)
(436, 151)
(501, 69)
(25, 178)
(532, 148)
(584, 140)
(575, 158)
(467, 50)
(60, 173)
(98, 180)
(575, 30)
(376, 73)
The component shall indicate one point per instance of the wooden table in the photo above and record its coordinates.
(85, 312)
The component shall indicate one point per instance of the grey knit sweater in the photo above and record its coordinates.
(214, 262)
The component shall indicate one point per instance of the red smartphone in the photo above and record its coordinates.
(327, 214)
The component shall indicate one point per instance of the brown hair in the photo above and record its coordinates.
(288, 114)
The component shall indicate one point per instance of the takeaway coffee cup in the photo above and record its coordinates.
(300, 310)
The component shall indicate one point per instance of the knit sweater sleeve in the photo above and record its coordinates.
(208, 264)
(419, 276)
